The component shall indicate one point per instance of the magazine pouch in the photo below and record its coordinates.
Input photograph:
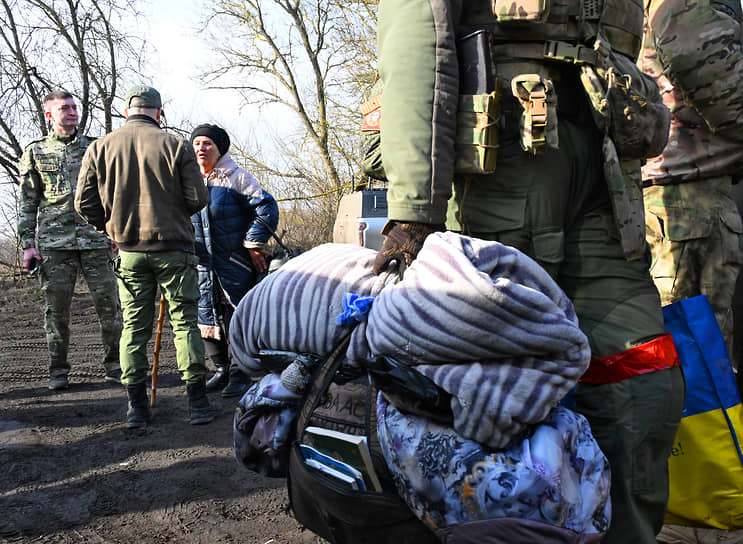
(324, 505)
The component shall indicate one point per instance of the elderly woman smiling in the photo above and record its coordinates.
(231, 234)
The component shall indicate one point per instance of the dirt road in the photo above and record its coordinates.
(71, 471)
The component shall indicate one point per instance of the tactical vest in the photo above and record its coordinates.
(565, 28)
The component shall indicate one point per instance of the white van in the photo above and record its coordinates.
(361, 216)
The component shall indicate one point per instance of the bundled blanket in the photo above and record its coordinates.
(487, 324)
(554, 474)
(295, 308)
(481, 319)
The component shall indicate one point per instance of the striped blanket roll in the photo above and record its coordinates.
(487, 324)
(295, 308)
(481, 319)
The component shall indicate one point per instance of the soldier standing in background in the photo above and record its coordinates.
(694, 52)
(56, 238)
(562, 190)
(693, 225)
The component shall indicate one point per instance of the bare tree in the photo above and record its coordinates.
(312, 60)
(76, 45)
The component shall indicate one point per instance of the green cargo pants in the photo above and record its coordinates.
(555, 207)
(140, 274)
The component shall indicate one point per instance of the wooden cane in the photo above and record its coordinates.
(156, 351)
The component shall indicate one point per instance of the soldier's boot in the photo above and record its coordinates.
(238, 383)
(218, 380)
(200, 409)
(138, 412)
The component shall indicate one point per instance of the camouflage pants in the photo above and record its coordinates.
(694, 231)
(140, 274)
(59, 271)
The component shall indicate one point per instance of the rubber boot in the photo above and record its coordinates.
(200, 409)
(138, 413)
(238, 383)
(217, 381)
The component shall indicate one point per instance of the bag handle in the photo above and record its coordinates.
(321, 380)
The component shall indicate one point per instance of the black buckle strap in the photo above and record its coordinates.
(551, 50)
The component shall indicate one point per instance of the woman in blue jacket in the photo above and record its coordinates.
(231, 235)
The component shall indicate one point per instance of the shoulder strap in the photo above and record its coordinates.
(321, 380)
(273, 233)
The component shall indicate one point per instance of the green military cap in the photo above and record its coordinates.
(143, 96)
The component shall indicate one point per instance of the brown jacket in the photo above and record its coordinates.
(141, 185)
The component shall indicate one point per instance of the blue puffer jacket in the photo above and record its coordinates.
(224, 230)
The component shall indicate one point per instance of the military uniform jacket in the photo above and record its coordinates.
(694, 52)
(420, 101)
(49, 168)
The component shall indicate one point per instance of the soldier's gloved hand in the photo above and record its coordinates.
(403, 240)
(28, 257)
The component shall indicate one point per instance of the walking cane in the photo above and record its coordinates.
(156, 351)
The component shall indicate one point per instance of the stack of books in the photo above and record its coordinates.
(342, 456)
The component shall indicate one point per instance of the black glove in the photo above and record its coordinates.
(402, 242)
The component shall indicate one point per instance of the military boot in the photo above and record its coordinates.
(200, 409)
(138, 414)
(218, 380)
(238, 383)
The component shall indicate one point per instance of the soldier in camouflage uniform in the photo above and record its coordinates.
(694, 52)
(562, 190)
(53, 234)
(693, 226)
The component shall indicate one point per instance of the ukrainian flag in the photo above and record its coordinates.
(706, 463)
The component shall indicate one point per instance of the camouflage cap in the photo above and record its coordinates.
(143, 96)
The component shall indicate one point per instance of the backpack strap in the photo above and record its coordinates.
(321, 380)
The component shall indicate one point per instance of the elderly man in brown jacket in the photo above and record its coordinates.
(141, 185)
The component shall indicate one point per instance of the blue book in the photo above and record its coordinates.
(333, 467)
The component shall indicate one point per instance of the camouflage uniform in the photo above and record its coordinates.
(693, 50)
(571, 204)
(67, 244)
(693, 225)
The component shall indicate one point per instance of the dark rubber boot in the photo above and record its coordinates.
(200, 409)
(239, 382)
(217, 381)
(138, 414)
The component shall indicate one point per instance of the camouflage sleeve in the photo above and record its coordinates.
(418, 65)
(699, 44)
(30, 197)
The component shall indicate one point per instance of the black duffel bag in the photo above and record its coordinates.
(323, 504)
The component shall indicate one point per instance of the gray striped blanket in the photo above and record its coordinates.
(295, 308)
(482, 320)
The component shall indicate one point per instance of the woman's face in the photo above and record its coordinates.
(207, 153)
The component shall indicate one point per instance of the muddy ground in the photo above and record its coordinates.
(71, 471)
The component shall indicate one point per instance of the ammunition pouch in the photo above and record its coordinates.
(538, 126)
(627, 106)
(478, 117)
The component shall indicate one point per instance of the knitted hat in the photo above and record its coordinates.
(215, 134)
(143, 96)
